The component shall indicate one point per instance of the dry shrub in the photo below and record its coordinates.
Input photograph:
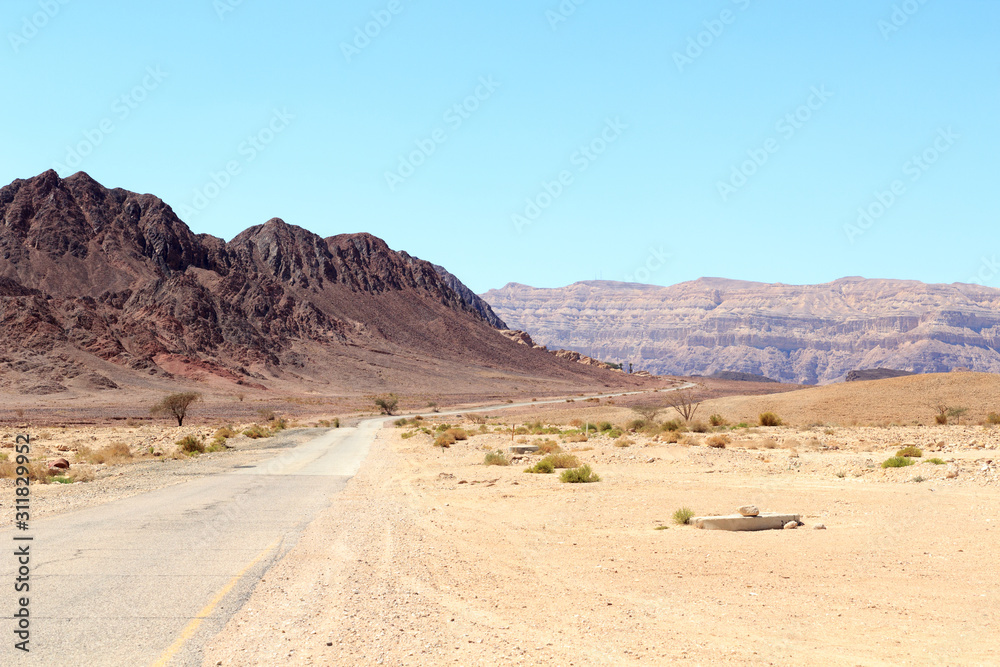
(578, 437)
(624, 442)
(671, 436)
(496, 458)
(81, 475)
(115, 453)
(457, 433)
(562, 460)
(444, 440)
(718, 441)
(769, 419)
(769, 444)
(38, 471)
(190, 445)
(699, 427)
(225, 432)
(548, 446)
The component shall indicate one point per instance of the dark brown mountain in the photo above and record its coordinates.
(104, 288)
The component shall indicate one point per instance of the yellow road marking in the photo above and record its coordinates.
(207, 610)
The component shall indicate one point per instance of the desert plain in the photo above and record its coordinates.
(429, 556)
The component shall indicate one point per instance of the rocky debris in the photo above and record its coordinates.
(749, 510)
(518, 336)
(791, 525)
(819, 526)
(807, 334)
(952, 472)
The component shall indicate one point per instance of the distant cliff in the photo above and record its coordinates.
(810, 334)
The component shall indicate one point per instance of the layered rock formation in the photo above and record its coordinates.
(101, 288)
(804, 334)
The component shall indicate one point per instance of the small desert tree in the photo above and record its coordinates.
(387, 403)
(683, 402)
(176, 405)
(648, 412)
(957, 413)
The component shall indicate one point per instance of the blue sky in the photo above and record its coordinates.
(539, 142)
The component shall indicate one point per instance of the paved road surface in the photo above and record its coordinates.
(148, 580)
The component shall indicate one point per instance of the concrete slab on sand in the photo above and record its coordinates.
(764, 521)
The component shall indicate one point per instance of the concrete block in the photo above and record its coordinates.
(523, 449)
(763, 521)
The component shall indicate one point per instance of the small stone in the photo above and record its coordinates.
(749, 510)
(952, 472)
(819, 526)
(791, 525)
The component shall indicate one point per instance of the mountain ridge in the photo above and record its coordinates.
(795, 333)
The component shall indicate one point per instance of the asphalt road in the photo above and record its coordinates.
(147, 580)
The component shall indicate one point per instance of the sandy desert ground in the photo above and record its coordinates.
(434, 558)
(430, 557)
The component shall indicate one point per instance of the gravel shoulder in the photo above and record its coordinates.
(431, 558)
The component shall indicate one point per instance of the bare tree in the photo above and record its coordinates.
(176, 405)
(683, 402)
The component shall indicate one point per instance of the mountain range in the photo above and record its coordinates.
(807, 334)
(103, 289)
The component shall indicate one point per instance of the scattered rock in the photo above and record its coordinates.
(445, 475)
(59, 463)
(791, 525)
(819, 526)
(952, 472)
(749, 510)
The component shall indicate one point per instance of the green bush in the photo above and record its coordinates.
(683, 515)
(191, 445)
(614, 433)
(635, 424)
(604, 426)
(716, 420)
(543, 467)
(935, 461)
(496, 458)
(897, 462)
(910, 450)
(581, 475)
(993, 418)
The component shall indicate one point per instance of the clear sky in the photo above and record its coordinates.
(537, 141)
